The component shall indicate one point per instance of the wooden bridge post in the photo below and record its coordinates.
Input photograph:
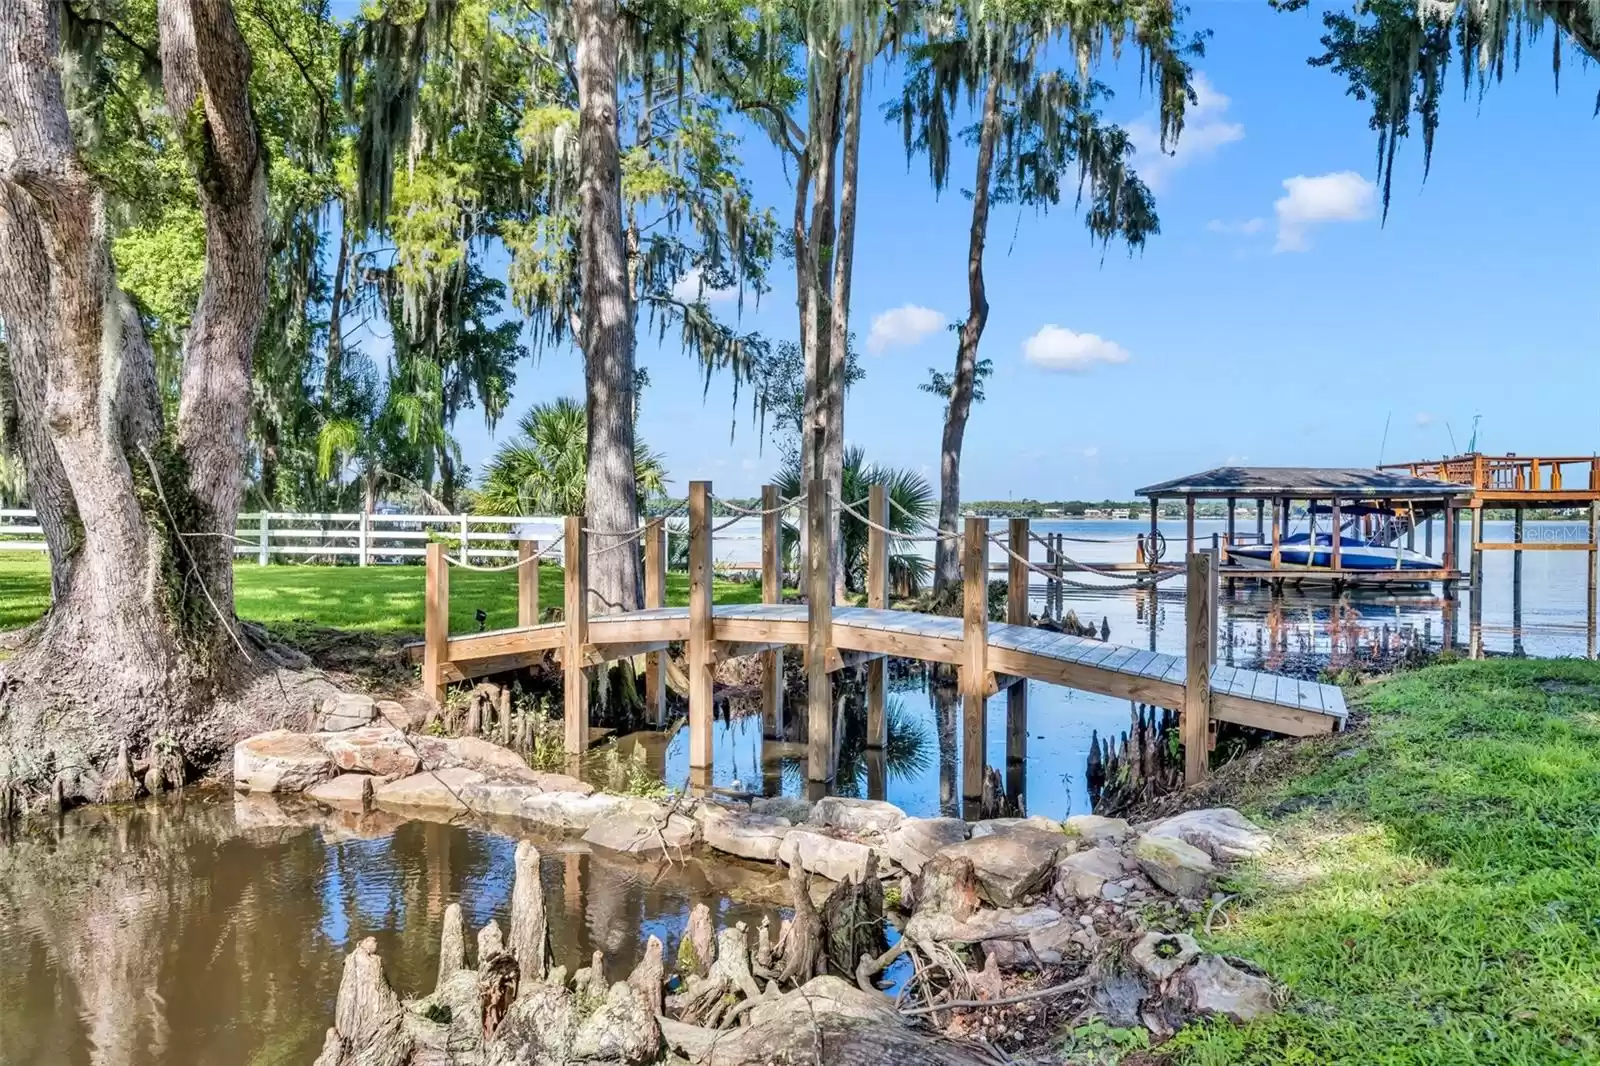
(1198, 649)
(1017, 693)
(819, 634)
(655, 595)
(974, 655)
(1475, 587)
(877, 597)
(1594, 569)
(701, 668)
(771, 592)
(435, 623)
(575, 638)
(527, 583)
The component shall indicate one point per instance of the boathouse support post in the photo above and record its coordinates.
(771, 592)
(575, 638)
(1198, 650)
(877, 597)
(819, 635)
(1228, 543)
(1188, 519)
(435, 623)
(655, 595)
(1278, 505)
(975, 656)
(701, 668)
(1594, 561)
(1475, 618)
(1017, 693)
(1334, 560)
(527, 583)
(1261, 524)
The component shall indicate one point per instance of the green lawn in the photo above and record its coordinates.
(373, 599)
(1436, 894)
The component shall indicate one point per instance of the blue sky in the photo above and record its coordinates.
(1268, 323)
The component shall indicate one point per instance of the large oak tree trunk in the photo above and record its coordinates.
(816, 325)
(839, 339)
(611, 500)
(947, 556)
(138, 515)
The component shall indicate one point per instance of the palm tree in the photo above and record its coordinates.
(543, 469)
(911, 502)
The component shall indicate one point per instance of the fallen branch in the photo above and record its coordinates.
(1021, 997)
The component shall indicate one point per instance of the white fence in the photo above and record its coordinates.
(393, 538)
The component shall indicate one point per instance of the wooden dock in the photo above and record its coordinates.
(989, 655)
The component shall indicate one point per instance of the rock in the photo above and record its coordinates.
(280, 761)
(430, 788)
(1112, 892)
(748, 836)
(347, 791)
(1160, 955)
(1053, 944)
(397, 715)
(1011, 865)
(346, 710)
(856, 815)
(990, 826)
(1083, 874)
(1182, 869)
(559, 783)
(793, 808)
(504, 798)
(1118, 997)
(1215, 986)
(623, 1030)
(913, 842)
(568, 810)
(374, 749)
(1092, 828)
(1221, 832)
(817, 853)
(636, 835)
(1012, 923)
(473, 753)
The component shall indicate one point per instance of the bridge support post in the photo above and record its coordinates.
(575, 638)
(701, 669)
(1198, 650)
(435, 624)
(655, 595)
(819, 635)
(771, 592)
(1594, 562)
(1017, 694)
(527, 583)
(1475, 588)
(975, 658)
(877, 597)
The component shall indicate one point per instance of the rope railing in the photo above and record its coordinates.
(1052, 575)
(759, 512)
(535, 557)
(895, 533)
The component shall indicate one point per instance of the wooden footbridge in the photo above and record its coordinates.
(990, 656)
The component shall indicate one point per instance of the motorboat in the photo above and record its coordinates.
(1370, 538)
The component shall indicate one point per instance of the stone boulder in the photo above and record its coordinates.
(546, 782)
(346, 710)
(1012, 865)
(438, 789)
(748, 836)
(569, 810)
(280, 761)
(347, 791)
(1160, 955)
(1010, 923)
(1093, 828)
(397, 715)
(913, 842)
(634, 834)
(503, 798)
(374, 749)
(857, 816)
(1084, 874)
(818, 853)
(1182, 869)
(990, 826)
(1221, 832)
(473, 753)
(793, 808)
(1215, 986)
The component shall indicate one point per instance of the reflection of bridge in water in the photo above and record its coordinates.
(990, 656)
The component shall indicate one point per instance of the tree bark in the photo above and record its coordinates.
(611, 501)
(839, 339)
(815, 326)
(947, 556)
(335, 357)
(138, 517)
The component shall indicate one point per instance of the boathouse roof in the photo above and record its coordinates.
(1306, 482)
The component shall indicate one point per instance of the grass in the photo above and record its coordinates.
(1435, 896)
(373, 599)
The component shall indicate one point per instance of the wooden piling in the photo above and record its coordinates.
(878, 597)
(819, 636)
(435, 623)
(1229, 540)
(771, 592)
(1594, 563)
(575, 640)
(1277, 533)
(1188, 525)
(1333, 554)
(701, 668)
(1475, 586)
(1198, 644)
(655, 595)
(1017, 693)
(527, 583)
(975, 657)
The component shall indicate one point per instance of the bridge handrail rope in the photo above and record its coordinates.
(939, 533)
(755, 512)
(535, 557)
(895, 533)
(1053, 576)
(1039, 539)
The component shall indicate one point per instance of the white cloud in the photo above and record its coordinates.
(1344, 196)
(1424, 418)
(1091, 452)
(1246, 228)
(902, 326)
(1206, 130)
(688, 289)
(1055, 348)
